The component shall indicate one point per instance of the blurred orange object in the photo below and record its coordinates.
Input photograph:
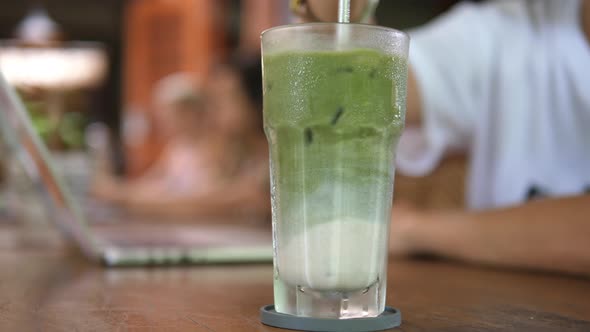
(163, 37)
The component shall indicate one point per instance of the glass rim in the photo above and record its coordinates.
(397, 32)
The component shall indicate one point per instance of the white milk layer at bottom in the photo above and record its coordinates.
(337, 255)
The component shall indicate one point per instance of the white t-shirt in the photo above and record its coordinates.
(509, 82)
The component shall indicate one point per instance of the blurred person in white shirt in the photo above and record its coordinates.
(506, 82)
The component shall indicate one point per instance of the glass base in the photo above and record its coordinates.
(307, 302)
(389, 319)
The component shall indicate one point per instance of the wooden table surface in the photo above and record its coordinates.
(48, 290)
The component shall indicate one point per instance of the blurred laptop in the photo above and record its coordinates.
(123, 243)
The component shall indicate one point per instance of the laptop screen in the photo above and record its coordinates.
(24, 144)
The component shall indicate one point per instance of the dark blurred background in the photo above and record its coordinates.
(104, 21)
(85, 20)
(145, 40)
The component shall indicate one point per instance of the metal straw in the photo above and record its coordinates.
(343, 17)
(344, 11)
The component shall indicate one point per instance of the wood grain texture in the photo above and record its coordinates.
(48, 290)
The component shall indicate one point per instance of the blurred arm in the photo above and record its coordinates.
(111, 189)
(550, 234)
(413, 101)
(246, 194)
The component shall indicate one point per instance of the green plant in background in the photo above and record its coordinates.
(71, 130)
(66, 132)
(39, 118)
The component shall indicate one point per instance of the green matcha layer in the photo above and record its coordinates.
(333, 120)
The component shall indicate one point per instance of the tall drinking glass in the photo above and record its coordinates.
(334, 108)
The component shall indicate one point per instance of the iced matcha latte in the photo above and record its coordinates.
(333, 118)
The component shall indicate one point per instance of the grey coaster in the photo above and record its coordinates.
(390, 318)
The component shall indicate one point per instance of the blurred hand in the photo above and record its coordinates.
(404, 238)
